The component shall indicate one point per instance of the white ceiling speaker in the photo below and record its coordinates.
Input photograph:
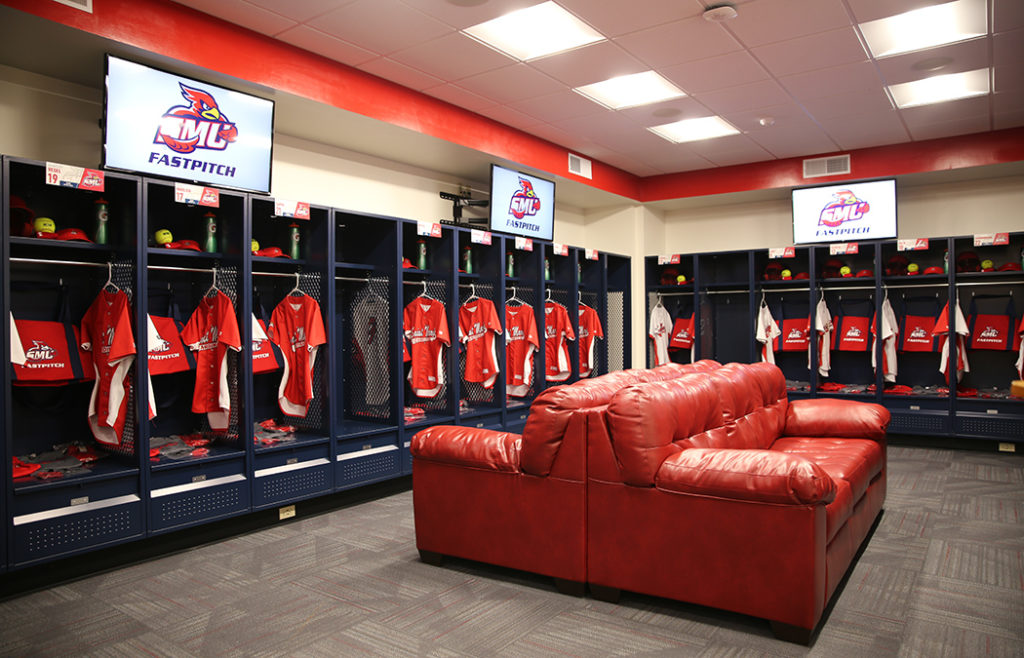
(719, 13)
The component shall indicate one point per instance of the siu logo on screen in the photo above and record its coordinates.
(198, 125)
(524, 200)
(844, 207)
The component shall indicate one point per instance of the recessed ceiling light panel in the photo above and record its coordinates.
(631, 90)
(533, 32)
(941, 88)
(927, 27)
(692, 130)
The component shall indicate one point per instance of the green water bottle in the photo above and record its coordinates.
(100, 237)
(210, 245)
(421, 254)
(467, 260)
(293, 242)
(510, 264)
(945, 261)
(547, 269)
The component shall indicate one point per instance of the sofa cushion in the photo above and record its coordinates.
(857, 461)
(839, 510)
(468, 446)
(756, 475)
(550, 411)
(836, 418)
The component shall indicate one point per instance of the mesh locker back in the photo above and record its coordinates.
(367, 368)
(474, 391)
(123, 276)
(600, 364)
(615, 332)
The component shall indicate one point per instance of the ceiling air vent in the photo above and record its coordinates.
(831, 166)
(579, 166)
(84, 5)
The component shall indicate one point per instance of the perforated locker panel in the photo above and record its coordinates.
(376, 464)
(292, 485)
(71, 533)
(919, 423)
(198, 505)
(989, 426)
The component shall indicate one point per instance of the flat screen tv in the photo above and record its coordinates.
(521, 204)
(167, 125)
(845, 212)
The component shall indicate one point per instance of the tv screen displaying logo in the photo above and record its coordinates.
(849, 212)
(521, 204)
(168, 125)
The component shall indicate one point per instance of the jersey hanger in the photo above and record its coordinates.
(110, 286)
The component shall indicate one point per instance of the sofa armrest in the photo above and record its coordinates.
(828, 417)
(468, 446)
(754, 475)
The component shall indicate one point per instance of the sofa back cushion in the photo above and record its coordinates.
(735, 406)
(551, 410)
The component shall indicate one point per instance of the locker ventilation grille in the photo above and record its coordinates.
(580, 166)
(831, 166)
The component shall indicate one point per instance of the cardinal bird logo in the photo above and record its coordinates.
(844, 207)
(198, 125)
(524, 200)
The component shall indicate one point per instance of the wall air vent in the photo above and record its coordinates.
(84, 5)
(579, 166)
(831, 166)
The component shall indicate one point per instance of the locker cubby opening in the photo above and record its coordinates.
(486, 260)
(790, 303)
(768, 271)
(724, 269)
(860, 268)
(727, 326)
(894, 263)
(437, 252)
(270, 230)
(679, 305)
(191, 222)
(918, 370)
(366, 241)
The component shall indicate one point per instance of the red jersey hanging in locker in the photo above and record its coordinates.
(298, 329)
(478, 326)
(210, 333)
(107, 333)
(557, 331)
(590, 331)
(426, 327)
(521, 341)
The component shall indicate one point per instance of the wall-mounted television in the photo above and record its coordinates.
(521, 204)
(845, 212)
(167, 125)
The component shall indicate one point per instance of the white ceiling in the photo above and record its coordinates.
(801, 63)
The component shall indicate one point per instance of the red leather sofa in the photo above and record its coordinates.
(517, 500)
(714, 489)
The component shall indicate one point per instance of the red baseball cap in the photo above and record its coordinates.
(801, 275)
(934, 269)
(271, 252)
(1010, 267)
(407, 264)
(183, 244)
(73, 234)
(865, 273)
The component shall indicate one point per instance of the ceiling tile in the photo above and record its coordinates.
(382, 26)
(613, 18)
(511, 83)
(1008, 47)
(867, 130)
(960, 126)
(382, 67)
(316, 41)
(674, 158)
(242, 13)
(566, 139)
(451, 57)
(300, 10)
(460, 16)
(1009, 77)
(602, 128)
(840, 105)
(761, 23)
(730, 150)
(558, 106)
(461, 97)
(942, 112)
(1007, 15)
(660, 46)
(1010, 119)
(870, 10)
(744, 97)
(785, 117)
(716, 73)
(794, 139)
(510, 117)
(589, 64)
(1009, 101)
(631, 138)
(858, 76)
(965, 56)
(668, 111)
(822, 50)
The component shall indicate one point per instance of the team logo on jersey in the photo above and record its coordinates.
(257, 344)
(160, 346)
(198, 125)
(853, 332)
(989, 333)
(795, 334)
(298, 339)
(919, 334)
(40, 351)
(524, 200)
(844, 207)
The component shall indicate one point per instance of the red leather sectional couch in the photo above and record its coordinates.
(518, 500)
(698, 483)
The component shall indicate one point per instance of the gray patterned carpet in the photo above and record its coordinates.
(943, 575)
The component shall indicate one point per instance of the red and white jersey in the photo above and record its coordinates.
(107, 333)
(426, 327)
(557, 331)
(521, 341)
(210, 333)
(298, 329)
(478, 325)
(890, 330)
(659, 332)
(823, 324)
(1020, 350)
(962, 331)
(590, 331)
(370, 329)
(766, 332)
(17, 351)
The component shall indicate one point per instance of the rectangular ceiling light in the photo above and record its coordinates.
(536, 31)
(941, 88)
(926, 28)
(692, 130)
(631, 90)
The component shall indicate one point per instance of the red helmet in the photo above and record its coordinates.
(773, 270)
(968, 261)
(830, 269)
(668, 276)
(896, 265)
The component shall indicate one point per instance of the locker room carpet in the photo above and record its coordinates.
(943, 575)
